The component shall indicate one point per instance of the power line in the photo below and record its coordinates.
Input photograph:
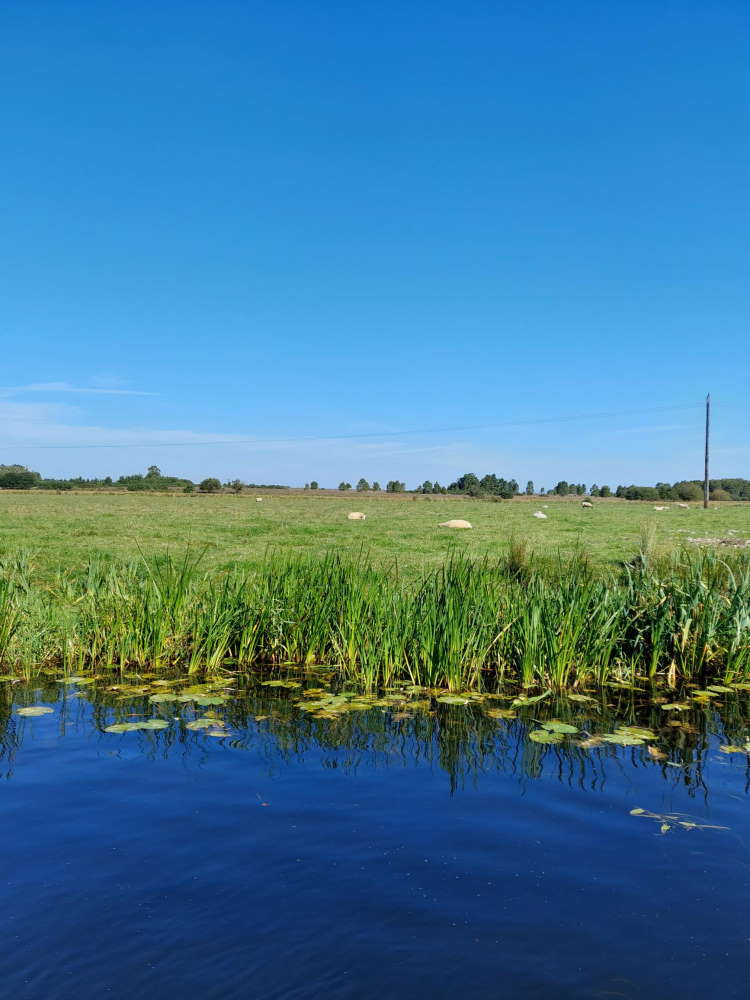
(570, 418)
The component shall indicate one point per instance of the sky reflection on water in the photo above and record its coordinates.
(381, 852)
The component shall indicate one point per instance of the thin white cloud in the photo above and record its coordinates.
(55, 387)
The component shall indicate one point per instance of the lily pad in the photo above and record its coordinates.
(544, 736)
(201, 724)
(525, 699)
(590, 741)
(623, 739)
(453, 699)
(163, 699)
(132, 727)
(641, 732)
(675, 706)
(281, 684)
(554, 726)
(34, 710)
(719, 689)
(502, 713)
(731, 748)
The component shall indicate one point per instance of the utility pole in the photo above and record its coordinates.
(705, 470)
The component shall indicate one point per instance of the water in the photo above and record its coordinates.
(366, 854)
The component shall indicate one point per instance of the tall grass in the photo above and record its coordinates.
(468, 625)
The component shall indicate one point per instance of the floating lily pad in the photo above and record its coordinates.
(132, 727)
(281, 684)
(719, 689)
(526, 699)
(641, 732)
(453, 699)
(163, 699)
(555, 726)
(544, 736)
(623, 739)
(676, 706)
(580, 697)
(502, 713)
(201, 724)
(34, 710)
(731, 748)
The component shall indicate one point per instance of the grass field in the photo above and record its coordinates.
(64, 530)
(307, 586)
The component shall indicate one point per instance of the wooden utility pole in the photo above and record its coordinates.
(705, 470)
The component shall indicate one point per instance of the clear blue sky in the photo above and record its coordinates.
(291, 220)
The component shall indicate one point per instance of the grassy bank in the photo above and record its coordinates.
(469, 624)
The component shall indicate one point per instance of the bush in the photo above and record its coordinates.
(720, 495)
(688, 491)
(210, 485)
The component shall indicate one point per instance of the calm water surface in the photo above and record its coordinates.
(380, 851)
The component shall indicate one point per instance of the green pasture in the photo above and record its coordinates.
(63, 531)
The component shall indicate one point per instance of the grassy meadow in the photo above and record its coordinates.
(64, 531)
(92, 582)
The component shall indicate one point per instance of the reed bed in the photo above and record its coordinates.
(470, 625)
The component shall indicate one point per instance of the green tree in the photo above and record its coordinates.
(362, 485)
(721, 494)
(426, 486)
(594, 491)
(464, 483)
(153, 472)
(376, 486)
(210, 485)
(188, 488)
(314, 485)
(530, 488)
(395, 486)
(605, 491)
(345, 486)
(437, 488)
(688, 491)
(562, 489)
(236, 485)
(18, 477)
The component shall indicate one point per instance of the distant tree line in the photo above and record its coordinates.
(19, 477)
(689, 489)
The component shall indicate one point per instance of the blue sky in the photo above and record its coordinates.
(297, 223)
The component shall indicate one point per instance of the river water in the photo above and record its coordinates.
(322, 845)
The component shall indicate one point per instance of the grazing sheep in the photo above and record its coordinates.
(356, 515)
(454, 524)
(685, 506)
(538, 513)
(585, 503)
(259, 499)
(661, 508)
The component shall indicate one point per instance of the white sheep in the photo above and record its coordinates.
(454, 524)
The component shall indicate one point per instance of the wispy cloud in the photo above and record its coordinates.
(66, 387)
